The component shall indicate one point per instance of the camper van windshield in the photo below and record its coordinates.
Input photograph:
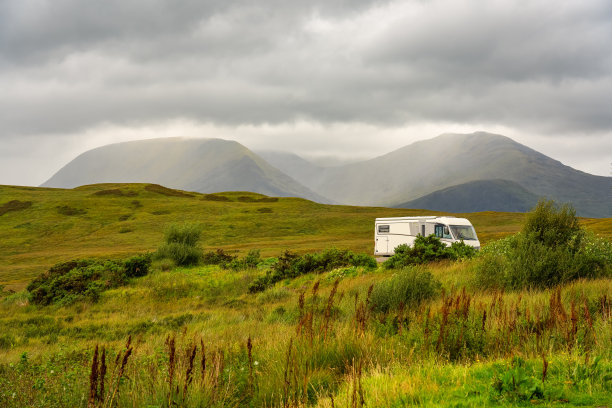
(464, 232)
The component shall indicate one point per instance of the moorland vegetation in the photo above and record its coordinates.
(330, 329)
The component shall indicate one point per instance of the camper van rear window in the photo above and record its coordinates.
(383, 228)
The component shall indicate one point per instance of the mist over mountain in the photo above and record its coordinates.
(428, 166)
(202, 165)
(452, 172)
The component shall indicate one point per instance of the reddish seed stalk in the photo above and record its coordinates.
(102, 375)
(203, 360)
(93, 380)
(171, 366)
(188, 374)
(250, 358)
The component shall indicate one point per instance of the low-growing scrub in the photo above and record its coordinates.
(217, 257)
(427, 249)
(84, 279)
(181, 245)
(250, 261)
(14, 205)
(70, 211)
(291, 265)
(551, 249)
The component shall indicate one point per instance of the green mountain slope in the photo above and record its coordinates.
(202, 165)
(452, 159)
(481, 195)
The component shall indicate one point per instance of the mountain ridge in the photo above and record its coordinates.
(201, 165)
(393, 179)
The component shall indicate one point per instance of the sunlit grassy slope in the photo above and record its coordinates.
(115, 220)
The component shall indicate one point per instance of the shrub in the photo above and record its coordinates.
(181, 254)
(427, 249)
(75, 280)
(84, 279)
(409, 286)
(70, 211)
(186, 234)
(251, 260)
(156, 188)
(181, 245)
(290, 265)
(217, 257)
(551, 249)
(137, 266)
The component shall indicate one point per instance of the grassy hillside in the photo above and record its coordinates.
(115, 220)
(196, 337)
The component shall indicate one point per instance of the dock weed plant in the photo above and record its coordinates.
(333, 331)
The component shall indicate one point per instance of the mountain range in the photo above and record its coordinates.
(452, 172)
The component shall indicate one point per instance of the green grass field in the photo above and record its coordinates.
(190, 327)
(115, 220)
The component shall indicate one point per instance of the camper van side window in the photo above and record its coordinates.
(383, 228)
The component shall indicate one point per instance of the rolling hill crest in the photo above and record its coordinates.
(452, 172)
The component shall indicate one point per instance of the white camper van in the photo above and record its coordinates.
(391, 232)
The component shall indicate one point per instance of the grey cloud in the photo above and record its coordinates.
(69, 65)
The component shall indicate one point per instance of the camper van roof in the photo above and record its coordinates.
(425, 217)
(450, 220)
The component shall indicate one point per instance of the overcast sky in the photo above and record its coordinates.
(333, 78)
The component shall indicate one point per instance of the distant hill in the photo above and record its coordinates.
(399, 178)
(450, 160)
(481, 195)
(202, 165)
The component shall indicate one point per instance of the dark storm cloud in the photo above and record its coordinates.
(67, 66)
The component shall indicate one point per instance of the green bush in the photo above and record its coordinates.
(427, 249)
(185, 234)
(217, 257)
(250, 261)
(290, 265)
(551, 249)
(137, 266)
(181, 245)
(68, 282)
(409, 286)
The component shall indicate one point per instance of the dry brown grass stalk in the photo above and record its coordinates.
(188, 374)
(93, 380)
(203, 361)
(328, 308)
(250, 360)
(171, 366)
(120, 372)
(100, 396)
(286, 378)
